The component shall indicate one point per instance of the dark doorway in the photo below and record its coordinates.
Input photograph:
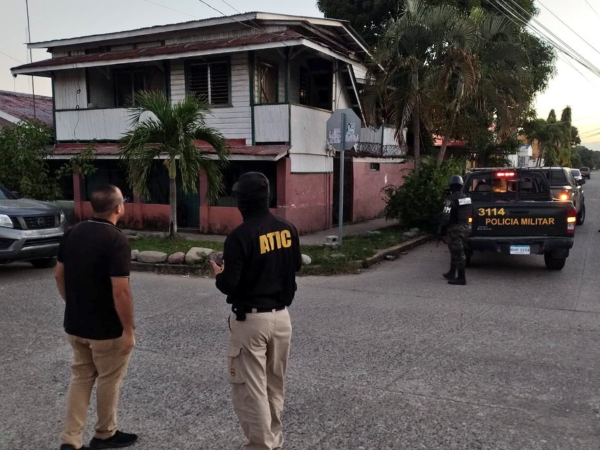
(188, 207)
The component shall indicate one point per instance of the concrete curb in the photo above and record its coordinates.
(169, 269)
(396, 250)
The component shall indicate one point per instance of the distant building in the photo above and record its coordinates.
(16, 106)
(272, 81)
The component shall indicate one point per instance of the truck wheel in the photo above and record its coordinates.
(581, 215)
(554, 263)
(44, 263)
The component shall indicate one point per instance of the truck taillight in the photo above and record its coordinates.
(571, 220)
(564, 196)
(470, 224)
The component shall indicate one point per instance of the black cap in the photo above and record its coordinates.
(252, 185)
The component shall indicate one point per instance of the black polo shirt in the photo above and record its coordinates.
(93, 252)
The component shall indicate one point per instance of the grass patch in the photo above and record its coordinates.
(172, 245)
(325, 260)
(343, 260)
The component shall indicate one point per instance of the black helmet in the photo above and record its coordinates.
(455, 180)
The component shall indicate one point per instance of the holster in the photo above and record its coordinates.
(239, 312)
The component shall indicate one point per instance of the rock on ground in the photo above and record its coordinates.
(197, 255)
(306, 260)
(151, 257)
(134, 255)
(176, 258)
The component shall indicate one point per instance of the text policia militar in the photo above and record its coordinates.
(525, 221)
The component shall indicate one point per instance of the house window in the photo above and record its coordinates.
(107, 172)
(375, 167)
(267, 83)
(210, 81)
(304, 86)
(127, 84)
(232, 173)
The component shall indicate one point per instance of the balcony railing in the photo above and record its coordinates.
(89, 124)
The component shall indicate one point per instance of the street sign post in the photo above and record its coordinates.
(343, 132)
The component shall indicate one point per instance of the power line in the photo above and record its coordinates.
(171, 9)
(592, 8)
(239, 12)
(8, 56)
(572, 30)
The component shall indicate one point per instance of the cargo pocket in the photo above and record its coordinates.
(234, 363)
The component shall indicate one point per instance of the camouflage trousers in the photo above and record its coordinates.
(457, 239)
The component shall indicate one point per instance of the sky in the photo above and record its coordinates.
(572, 85)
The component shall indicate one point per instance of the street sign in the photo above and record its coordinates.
(343, 132)
(351, 129)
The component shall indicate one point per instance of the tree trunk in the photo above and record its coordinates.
(173, 197)
(459, 94)
(416, 116)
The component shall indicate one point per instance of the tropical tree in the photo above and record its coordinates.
(407, 65)
(171, 130)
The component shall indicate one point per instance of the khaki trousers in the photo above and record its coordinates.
(94, 360)
(257, 360)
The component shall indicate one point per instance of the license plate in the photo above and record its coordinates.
(520, 250)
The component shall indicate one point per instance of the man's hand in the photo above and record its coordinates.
(216, 268)
(127, 342)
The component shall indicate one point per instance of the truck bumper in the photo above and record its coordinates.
(26, 245)
(538, 245)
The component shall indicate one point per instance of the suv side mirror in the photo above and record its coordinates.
(581, 182)
(15, 193)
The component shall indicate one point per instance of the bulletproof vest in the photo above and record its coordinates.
(461, 208)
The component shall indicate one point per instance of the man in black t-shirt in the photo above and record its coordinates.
(92, 276)
(261, 258)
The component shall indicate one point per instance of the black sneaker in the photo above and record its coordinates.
(119, 440)
(70, 447)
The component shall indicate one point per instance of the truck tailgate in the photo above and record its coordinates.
(506, 219)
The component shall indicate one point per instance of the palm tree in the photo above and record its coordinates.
(408, 56)
(171, 131)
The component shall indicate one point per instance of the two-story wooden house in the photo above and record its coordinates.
(272, 82)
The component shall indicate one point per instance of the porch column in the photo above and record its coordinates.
(138, 219)
(204, 205)
(77, 197)
(283, 169)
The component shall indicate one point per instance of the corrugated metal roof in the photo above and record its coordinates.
(20, 105)
(112, 149)
(258, 39)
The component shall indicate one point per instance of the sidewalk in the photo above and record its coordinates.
(317, 238)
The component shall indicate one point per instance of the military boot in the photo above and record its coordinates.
(461, 280)
(451, 274)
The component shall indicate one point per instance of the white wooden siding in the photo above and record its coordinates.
(70, 89)
(85, 125)
(311, 163)
(309, 130)
(235, 121)
(341, 99)
(272, 123)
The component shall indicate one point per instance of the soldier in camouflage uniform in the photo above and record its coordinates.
(455, 221)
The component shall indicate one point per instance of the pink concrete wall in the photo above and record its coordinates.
(369, 200)
(137, 215)
(305, 199)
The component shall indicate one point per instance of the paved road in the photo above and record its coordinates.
(391, 359)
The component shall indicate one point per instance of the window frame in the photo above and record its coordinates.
(208, 63)
(259, 91)
(131, 72)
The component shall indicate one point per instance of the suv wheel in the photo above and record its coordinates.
(554, 263)
(44, 263)
(581, 215)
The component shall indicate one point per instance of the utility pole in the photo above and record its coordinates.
(30, 58)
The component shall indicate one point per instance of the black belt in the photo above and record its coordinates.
(249, 310)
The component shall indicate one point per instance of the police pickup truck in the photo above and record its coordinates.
(514, 213)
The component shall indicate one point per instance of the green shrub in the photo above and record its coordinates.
(419, 201)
